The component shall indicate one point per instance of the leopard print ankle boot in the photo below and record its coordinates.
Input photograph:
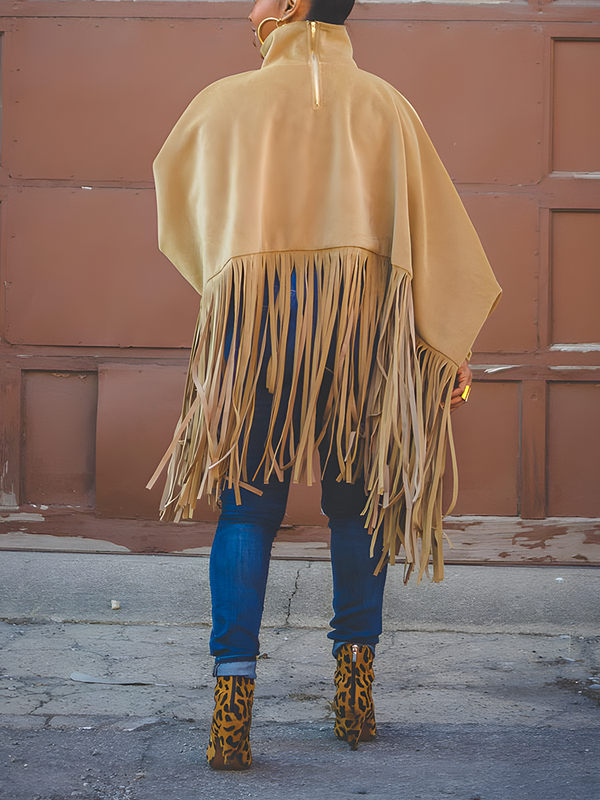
(229, 744)
(353, 702)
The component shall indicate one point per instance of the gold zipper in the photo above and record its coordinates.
(314, 66)
(353, 680)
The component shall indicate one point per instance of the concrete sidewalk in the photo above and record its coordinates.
(487, 685)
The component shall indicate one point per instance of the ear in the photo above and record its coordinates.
(292, 8)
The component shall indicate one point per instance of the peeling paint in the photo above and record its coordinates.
(23, 517)
(8, 500)
(19, 540)
(573, 367)
(501, 368)
(583, 347)
(8, 497)
(537, 538)
(592, 537)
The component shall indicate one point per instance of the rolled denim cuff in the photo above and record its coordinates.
(246, 669)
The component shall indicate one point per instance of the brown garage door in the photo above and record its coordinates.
(95, 322)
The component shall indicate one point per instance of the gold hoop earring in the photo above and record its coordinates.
(267, 19)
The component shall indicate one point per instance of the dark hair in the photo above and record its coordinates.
(333, 11)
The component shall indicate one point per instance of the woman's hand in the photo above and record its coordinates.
(460, 394)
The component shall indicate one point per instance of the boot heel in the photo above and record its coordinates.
(229, 743)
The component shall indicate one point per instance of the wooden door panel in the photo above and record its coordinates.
(94, 99)
(138, 408)
(509, 95)
(59, 438)
(487, 447)
(575, 276)
(576, 110)
(478, 87)
(574, 450)
(508, 227)
(92, 274)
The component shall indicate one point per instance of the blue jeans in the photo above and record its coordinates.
(241, 549)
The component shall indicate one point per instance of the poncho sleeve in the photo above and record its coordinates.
(180, 179)
(454, 288)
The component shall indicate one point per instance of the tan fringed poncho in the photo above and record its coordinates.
(310, 164)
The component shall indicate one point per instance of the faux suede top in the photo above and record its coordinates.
(311, 153)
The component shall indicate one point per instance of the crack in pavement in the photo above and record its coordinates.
(288, 612)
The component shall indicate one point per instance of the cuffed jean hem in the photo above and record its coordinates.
(337, 645)
(246, 669)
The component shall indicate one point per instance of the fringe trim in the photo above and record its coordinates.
(387, 415)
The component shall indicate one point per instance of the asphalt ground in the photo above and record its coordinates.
(487, 686)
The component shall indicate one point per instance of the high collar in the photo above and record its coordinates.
(291, 44)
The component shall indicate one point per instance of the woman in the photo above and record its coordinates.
(342, 286)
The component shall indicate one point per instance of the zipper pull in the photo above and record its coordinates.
(354, 653)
